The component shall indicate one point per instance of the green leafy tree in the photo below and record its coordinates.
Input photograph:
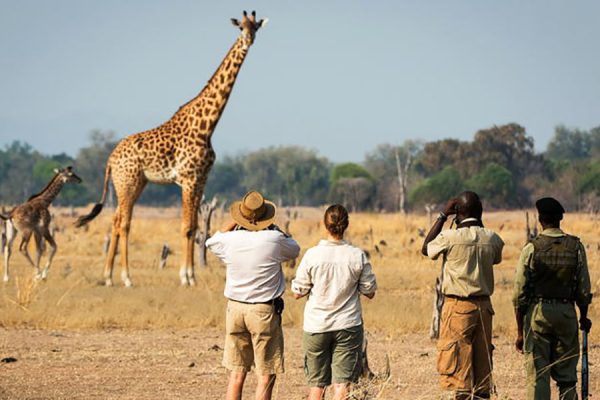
(44, 170)
(354, 193)
(349, 170)
(226, 179)
(438, 188)
(494, 184)
(17, 182)
(290, 175)
(90, 164)
(569, 144)
(352, 185)
(439, 154)
(589, 182)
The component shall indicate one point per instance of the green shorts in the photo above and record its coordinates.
(335, 354)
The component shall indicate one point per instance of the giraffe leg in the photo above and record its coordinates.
(112, 248)
(39, 249)
(23, 248)
(48, 237)
(124, 228)
(189, 225)
(127, 196)
(11, 234)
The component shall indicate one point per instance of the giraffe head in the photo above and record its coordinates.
(248, 25)
(67, 175)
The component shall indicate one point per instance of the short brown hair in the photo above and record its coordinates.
(336, 220)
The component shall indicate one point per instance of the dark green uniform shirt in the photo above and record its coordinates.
(583, 289)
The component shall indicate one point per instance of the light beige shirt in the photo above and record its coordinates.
(469, 255)
(333, 274)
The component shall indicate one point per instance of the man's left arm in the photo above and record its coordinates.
(520, 297)
(498, 247)
(367, 284)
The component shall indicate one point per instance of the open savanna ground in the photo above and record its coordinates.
(74, 338)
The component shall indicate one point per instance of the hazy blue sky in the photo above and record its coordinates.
(337, 76)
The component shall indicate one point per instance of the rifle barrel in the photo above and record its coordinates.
(584, 367)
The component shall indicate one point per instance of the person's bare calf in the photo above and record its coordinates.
(341, 391)
(264, 387)
(235, 385)
(316, 393)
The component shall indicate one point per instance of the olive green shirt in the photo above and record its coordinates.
(469, 255)
(583, 289)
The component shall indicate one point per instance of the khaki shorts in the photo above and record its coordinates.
(253, 337)
(335, 354)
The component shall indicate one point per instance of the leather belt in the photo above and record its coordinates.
(257, 302)
(452, 296)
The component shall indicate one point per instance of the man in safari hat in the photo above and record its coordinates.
(253, 248)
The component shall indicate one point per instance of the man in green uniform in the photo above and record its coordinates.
(552, 276)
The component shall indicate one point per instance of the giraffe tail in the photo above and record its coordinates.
(81, 221)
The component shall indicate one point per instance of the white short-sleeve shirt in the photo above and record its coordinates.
(253, 261)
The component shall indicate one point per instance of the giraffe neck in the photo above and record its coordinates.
(49, 193)
(201, 114)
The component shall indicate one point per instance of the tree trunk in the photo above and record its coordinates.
(165, 252)
(206, 211)
(2, 233)
(429, 208)
(402, 179)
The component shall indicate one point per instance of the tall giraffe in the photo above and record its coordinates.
(33, 218)
(178, 151)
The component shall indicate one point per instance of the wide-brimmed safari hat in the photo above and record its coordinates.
(253, 212)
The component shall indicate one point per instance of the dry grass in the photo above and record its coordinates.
(74, 299)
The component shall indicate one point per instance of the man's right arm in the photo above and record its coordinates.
(436, 229)
(433, 233)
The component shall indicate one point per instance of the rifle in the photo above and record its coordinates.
(585, 373)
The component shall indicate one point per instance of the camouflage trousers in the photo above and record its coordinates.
(551, 349)
(465, 347)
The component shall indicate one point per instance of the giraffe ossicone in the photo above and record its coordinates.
(178, 151)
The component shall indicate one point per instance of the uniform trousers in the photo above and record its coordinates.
(551, 346)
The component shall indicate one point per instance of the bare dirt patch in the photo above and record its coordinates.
(179, 364)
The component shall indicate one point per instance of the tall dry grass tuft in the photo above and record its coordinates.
(26, 290)
(371, 386)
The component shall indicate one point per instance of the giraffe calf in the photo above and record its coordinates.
(32, 218)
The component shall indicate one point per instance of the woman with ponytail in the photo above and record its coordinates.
(333, 274)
